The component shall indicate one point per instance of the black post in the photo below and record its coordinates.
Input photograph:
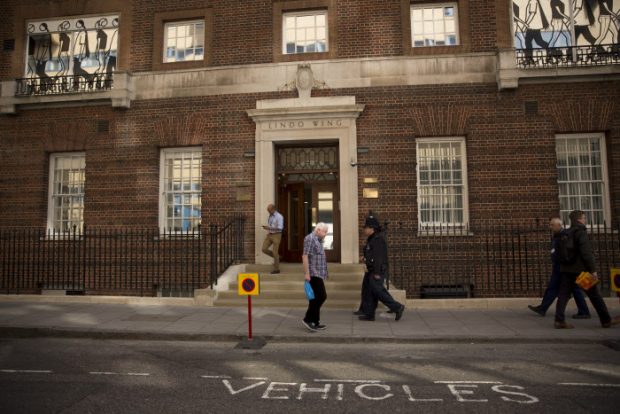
(213, 253)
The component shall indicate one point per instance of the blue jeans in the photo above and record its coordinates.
(553, 290)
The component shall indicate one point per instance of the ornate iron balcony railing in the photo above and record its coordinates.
(573, 56)
(60, 85)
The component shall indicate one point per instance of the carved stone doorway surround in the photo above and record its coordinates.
(310, 120)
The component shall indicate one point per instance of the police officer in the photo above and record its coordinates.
(376, 259)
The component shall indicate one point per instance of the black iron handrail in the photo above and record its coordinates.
(571, 56)
(60, 85)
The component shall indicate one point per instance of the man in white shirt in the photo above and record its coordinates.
(275, 225)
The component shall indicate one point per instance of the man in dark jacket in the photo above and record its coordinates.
(376, 259)
(581, 260)
(553, 287)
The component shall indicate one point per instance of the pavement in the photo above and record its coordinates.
(500, 321)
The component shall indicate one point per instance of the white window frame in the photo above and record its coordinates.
(50, 192)
(163, 224)
(313, 12)
(604, 173)
(450, 227)
(421, 6)
(181, 23)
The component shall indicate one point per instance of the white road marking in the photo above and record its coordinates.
(133, 374)
(232, 391)
(346, 381)
(467, 382)
(407, 391)
(215, 376)
(277, 387)
(583, 384)
(463, 390)
(529, 399)
(303, 388)
(255, 378)
(340, 392)
(26, 371)
(359, 390)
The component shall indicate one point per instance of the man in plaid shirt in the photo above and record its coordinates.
(315, 272)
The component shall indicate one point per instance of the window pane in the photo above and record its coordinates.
(300, 35)
(305, 33)
(67, 196)
(433, 26)
(200, 35)
(440, 183)
(449, 26)
(184, 41)
(182, 184)
(580, 177)
(305, 21)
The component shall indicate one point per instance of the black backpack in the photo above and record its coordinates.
(565, 247)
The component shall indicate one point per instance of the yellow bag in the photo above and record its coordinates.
(586, 280)
(615, 280)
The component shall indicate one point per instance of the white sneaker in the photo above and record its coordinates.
(309, 326)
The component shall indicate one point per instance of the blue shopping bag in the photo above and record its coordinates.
(309, 291)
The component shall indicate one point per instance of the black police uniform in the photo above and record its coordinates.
(376, 258)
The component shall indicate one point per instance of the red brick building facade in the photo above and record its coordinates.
(505, 114)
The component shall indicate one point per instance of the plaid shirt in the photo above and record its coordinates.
(317, 264)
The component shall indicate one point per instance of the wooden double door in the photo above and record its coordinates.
(303, 205)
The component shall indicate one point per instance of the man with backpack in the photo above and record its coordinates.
(575, 256)
(553, 288)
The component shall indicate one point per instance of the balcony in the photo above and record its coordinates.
(59, 85)
(117, 89)
(557, 63)
(568, 57)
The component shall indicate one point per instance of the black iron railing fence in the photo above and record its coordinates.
(59, 85)
(485, 261)
(572, 56)
(141, 262)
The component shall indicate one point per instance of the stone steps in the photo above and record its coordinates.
(286, 289)
(298, 268)
(286, 303)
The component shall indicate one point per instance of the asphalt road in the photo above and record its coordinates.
(39, 375)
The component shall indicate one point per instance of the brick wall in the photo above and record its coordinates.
(242, 30)
(7, 29)
(369, 28)
(510, 155)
